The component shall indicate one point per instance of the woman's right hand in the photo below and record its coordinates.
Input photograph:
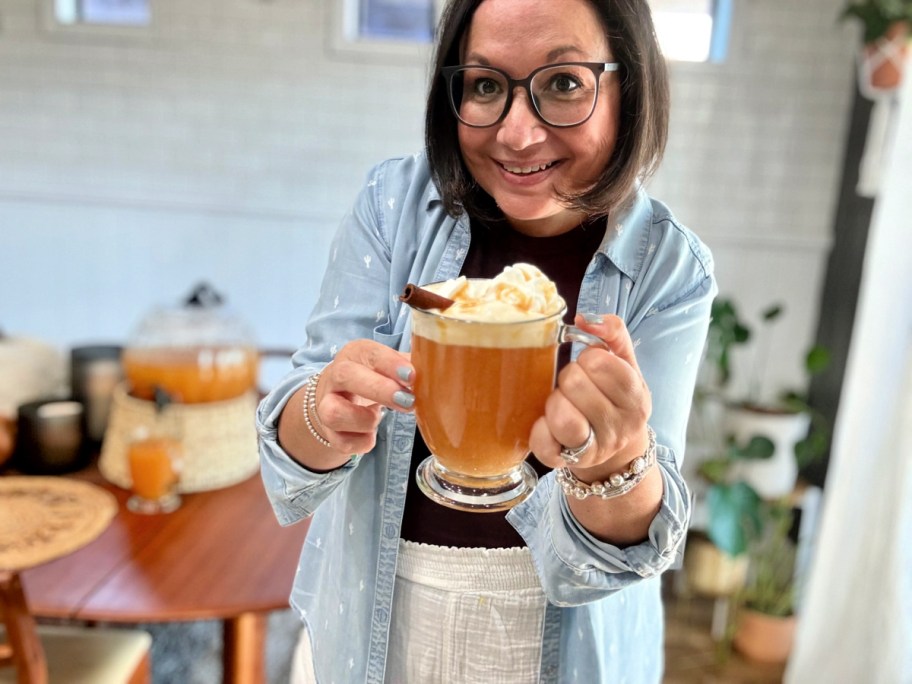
(363, 378)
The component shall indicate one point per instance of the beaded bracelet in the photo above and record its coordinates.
(310, 408)
(618, 483)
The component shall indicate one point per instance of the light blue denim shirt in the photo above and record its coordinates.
(604, 621)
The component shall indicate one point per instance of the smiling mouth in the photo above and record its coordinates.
(527, 170)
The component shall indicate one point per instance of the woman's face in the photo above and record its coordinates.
(522, 162)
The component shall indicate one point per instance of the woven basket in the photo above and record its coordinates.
(219, 439)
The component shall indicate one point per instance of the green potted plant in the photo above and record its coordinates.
(885, 31)
(798, 432)
(755, 448)
(764, 624)
(734, 506)
(754, 534)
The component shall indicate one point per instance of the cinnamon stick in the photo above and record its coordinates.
(420, 298)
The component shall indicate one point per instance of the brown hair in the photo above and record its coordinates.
(643, 117)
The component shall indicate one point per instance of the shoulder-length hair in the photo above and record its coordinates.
(643, 116)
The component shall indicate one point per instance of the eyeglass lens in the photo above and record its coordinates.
(563, 94)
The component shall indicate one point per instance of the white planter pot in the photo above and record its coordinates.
(774, 477)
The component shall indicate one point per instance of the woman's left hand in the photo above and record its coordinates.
(603, 391)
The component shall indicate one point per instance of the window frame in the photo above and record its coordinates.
(344, 41)
(52, 24)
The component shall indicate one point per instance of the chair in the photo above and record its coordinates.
(44, 654)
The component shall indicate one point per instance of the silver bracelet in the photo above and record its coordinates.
(618, 483)
(310, 407)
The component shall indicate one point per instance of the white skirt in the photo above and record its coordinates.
(460, 616)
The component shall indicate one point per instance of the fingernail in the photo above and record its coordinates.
(404, 373)
(593, 319)
(404, 399)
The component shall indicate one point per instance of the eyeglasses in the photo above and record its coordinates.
(562, 95)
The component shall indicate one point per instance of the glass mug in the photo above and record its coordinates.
(479, 387)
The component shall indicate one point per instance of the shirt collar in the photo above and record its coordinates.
(626, 241)
(626, 238)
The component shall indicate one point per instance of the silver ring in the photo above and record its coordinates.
(572, 456)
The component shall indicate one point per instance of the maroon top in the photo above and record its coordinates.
(563, 258)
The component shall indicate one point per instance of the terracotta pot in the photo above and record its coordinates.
(885, 57)
(764, 638)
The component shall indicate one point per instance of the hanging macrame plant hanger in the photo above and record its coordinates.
(881, 65)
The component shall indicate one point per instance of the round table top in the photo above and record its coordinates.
(220, 555)
(43, 518)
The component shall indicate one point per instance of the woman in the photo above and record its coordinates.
(393, 587)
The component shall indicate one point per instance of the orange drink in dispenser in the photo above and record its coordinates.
(191, 375)
(197, 352)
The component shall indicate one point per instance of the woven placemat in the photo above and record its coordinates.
(43, 518)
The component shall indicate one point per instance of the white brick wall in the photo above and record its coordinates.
(226, 143)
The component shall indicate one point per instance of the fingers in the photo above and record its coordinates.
(604, 390)
(364, 377)
(362, 438)
(366, 373)
(612, 330)
(562, 425)
(544, 445)
(617, 375)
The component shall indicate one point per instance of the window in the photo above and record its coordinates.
(692, 30)
(104, 12)
(411, 20)
(689, 30)
(401, 30)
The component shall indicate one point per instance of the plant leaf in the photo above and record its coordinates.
(794, 402)
(740, 333)
(725, 330)
(715, 469)
(772, 312)
(817, 359)
(811, 447)
(877, 15)
(759, 447)
(734, 517)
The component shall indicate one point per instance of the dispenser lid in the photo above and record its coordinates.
(202, 319)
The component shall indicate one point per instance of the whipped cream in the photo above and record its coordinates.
(519, 292)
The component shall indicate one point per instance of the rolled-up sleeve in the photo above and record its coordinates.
(293, 490)
(575, 567)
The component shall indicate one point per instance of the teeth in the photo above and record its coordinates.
(527, 169)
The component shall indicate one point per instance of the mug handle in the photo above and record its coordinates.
(570, 333)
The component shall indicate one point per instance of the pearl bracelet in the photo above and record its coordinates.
(310, 408)
(618, 483)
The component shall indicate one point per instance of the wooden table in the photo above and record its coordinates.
(222, 555)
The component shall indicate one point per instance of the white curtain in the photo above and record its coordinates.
(855, 621)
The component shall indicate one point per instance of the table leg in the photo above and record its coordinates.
(22, 647)
(244, 643)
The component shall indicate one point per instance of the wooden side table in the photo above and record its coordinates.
(222, 555)
(41, 518)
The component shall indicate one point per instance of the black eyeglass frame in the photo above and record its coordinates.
(598, 68)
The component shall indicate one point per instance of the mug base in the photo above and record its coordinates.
(475, 494)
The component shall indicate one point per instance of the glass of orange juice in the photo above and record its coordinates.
(155, 462)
